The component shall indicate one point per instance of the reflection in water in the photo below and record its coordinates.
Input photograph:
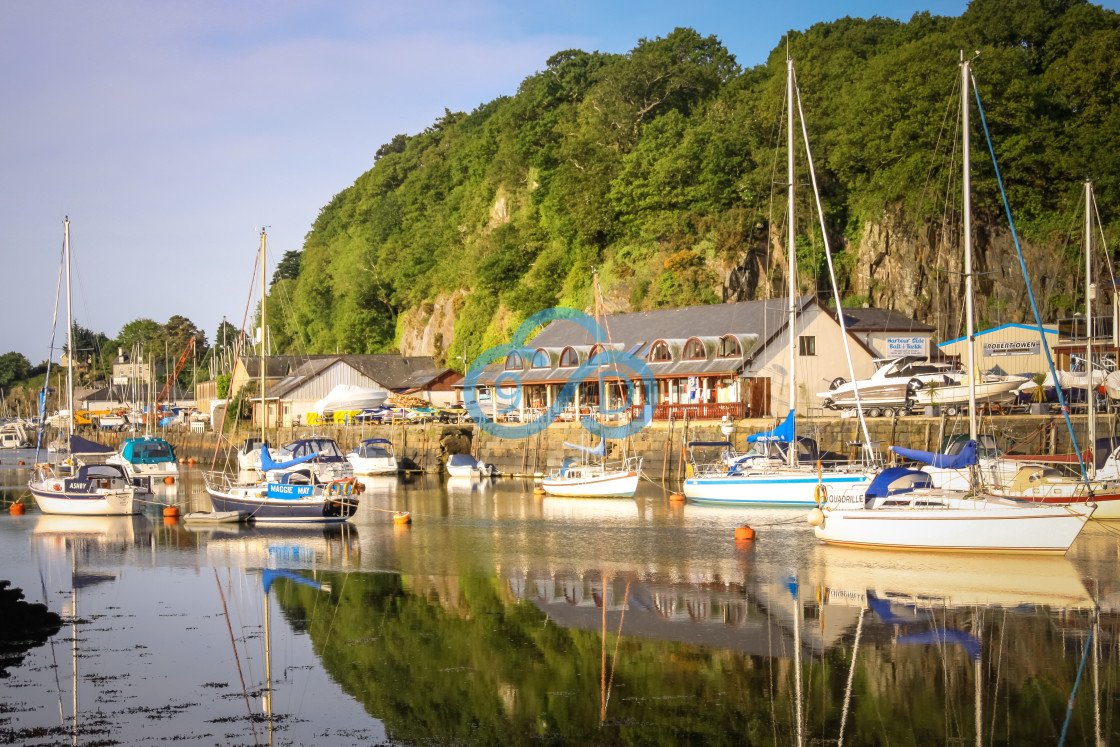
(500, 617)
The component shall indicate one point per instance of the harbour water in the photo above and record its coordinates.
(499, 617)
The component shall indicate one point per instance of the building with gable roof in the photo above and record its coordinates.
(707, 361)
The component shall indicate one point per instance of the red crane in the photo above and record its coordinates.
(174, 376)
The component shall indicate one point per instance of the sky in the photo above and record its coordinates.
(171, 131)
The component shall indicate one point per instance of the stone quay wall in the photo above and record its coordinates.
(663, 446)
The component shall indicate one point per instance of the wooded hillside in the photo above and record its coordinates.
(663, 168)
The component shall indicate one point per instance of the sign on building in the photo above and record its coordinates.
(899, 346)
(1014, 347)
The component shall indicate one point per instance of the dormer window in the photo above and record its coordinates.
(569, 358)
(514, 362)
(660, 353)
(594, 352)
(729, 347)
(541, 359)
(694, 351)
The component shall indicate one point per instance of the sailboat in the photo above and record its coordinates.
(759, 482)
(902, 510)
(285, 494)
(73, 486)
(591, 475)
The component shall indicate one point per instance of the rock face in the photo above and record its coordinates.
(430, 328)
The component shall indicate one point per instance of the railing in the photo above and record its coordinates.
(697, 411)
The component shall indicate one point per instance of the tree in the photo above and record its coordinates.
(288, 269)
(144, 332)
(13, 367)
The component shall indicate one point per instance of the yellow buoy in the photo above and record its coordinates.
(538, 490)
(676, 498)
(17, 509)
(744, 533)
(171, 512)
(182, 460)
(402, 517)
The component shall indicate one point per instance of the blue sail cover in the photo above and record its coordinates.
(270, 576)
(267, 464)
(783, 433)
(599, 450)
(966, 458)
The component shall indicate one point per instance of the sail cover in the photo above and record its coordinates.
(350, 397)
(783, 433)
(267, 464)
(79, 445)
(966, 458)
(599, 450)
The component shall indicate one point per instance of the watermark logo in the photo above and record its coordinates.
(626, 369)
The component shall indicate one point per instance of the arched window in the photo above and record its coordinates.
(659, 353)
(594, 352)
(569, 358)
(514, 362)
(694, 351)
(729, 347)
(541, 359)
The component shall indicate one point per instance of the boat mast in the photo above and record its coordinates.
(263, 350)
(791, 451)
(1090, 388)
(966, 186)
(69, 337)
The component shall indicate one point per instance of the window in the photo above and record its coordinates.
(514, 362)
(694, 351)
(541, 359)
(729, 347)
(594, 352)
(807, 345)
(569, 358)
(660, 352)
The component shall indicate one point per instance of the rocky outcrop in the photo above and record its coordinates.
(428, 329)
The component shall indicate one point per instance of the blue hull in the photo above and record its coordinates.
(330, 510)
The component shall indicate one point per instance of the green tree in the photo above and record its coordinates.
(13, 367)
(287, 268)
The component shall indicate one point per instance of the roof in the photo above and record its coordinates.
(1025, 327)
(394, 372)
(881, 320)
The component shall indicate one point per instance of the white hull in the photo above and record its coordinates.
(957, 394)
(592, 484)
(109, 503)
(932, 520)
(467, 472)
(780, 487)
(364, 466)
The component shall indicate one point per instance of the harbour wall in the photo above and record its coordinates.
(663, 446)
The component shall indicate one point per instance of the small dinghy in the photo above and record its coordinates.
(217, 517)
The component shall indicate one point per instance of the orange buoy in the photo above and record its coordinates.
(744, 533)
(676, 498)
(168, 480)
(171, 512)
(17, 509)
(402, 517)
(170, 521)
(182, 460)
(190, 460)
(21, 462)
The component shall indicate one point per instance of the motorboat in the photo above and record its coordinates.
(465, 465)
(893, 386)
(14, 436)
(148, 458)
(373, 456)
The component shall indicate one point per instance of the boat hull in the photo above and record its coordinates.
(776, 488)
(313, 509)
(604, 485)
(987, 527)
(109, 503)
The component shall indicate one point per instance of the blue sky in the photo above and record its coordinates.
(170, 131)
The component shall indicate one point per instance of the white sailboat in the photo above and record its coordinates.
(72, 486)
(759, 482)
(902, 510)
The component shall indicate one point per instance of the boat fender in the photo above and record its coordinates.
(689, 470)
(815, 517)
(57, 487)
(820, 493)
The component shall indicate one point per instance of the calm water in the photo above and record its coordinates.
(501, 618)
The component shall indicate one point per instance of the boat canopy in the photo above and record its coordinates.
(267, 464)
(598, 450)
(375, 441)
(897, 480)
(79, 445)
(725, 444)
(966, 457)
(147, 451)
(462, 460)
(783, 433)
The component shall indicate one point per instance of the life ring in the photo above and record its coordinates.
(347, 488)
(333, 488)
(820, 493)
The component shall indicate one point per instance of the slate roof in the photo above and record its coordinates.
(880, 320)
(394, 372)
(754, 323)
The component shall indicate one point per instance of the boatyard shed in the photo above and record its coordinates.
(707, 361)
(1007, 349)
(295, 383)
(888, 333)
